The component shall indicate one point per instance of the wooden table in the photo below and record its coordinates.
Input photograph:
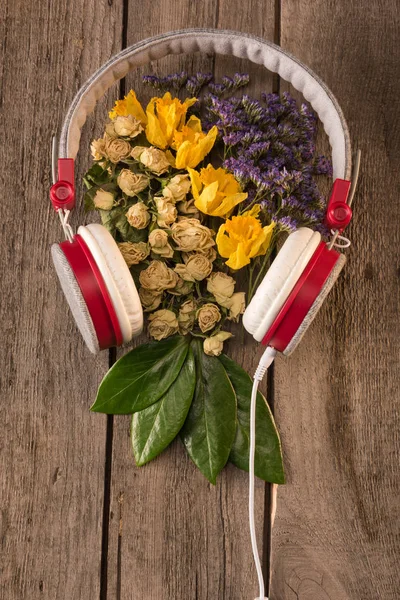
(78, 520)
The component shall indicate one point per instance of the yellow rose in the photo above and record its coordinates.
(164, 116)
(236, 305)
(138, 215)
(127, 126)
(98, 149)
(186, 317)
(162, 324)
(166, 212)
(158, 240)
(117, 149)
(221, 286)
(208, 316)
(177, 188)
(242, 238)
(216, 192)
(131, 183)
(214, 345)
(134, 252)
(103, 200)
(155, 160)
(190, 235)
(130, 105)
(150, 300)
(197, 268)
(158, 277)
(192, 144)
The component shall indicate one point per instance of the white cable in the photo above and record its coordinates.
(265, 361)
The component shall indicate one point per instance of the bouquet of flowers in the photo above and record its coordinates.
(196, 191)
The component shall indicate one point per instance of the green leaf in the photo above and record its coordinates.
(209, 429)
(141, 377)
(154, 428)
(268, 456)
(97, 175)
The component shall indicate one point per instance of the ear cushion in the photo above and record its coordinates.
(117, 278)
(315, 306)
(75, 298)
(279, 281)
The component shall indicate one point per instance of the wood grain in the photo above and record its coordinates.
(52, 448)
(172, 535)
(336, 532)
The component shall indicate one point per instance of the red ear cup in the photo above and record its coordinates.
(304, 301)
(91, 304)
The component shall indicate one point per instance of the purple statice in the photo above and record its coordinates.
(175, 81)
(197, 82)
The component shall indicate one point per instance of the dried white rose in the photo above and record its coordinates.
(150, 300)
(117, 149)
(186, 317)
(197, 268)
(166, 212)
(158, 240)
(214, 345)
(158, 277)
(155, 160)
(103, 200)
(162, 324)
(208, 316)
(177, 188)
(138, 215)
(221, 286)
(127, 126)
(134, 252)
(236, 305)
(132, 183)
(98, 149)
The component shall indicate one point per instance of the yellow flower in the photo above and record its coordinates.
(192, 144)
(130, 105)
(164, 116)
(242, 238)
(216, 192)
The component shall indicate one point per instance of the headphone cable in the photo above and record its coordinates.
(265, 361)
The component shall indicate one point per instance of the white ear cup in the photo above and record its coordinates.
(117, 278)
(279, 281)
(75, 299)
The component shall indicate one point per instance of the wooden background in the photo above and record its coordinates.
(78, 520)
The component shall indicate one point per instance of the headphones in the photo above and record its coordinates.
(94, 276)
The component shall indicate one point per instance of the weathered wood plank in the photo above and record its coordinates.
(52, 448)
(172, 535)
(336, 532)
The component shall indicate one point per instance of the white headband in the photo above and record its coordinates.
(241, 45)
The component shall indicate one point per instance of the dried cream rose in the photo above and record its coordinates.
(134, 252)
(177, 188)
(209, 253)
(236, 305)
(158, 240)
(188, 208)
(98, 149)
(155, 160)
(221, 286)
(137, 151)
(186, 317)
(138, 215)
(162, 324)
(182, 288)
(103, 200)
(127, 126)
(158, 277)
(131, 183)
(117, 149)
(214, 345)
(190, 235)
(166, 212)
(197, 268)
(208, 316)
(150, 300)
(110, 132)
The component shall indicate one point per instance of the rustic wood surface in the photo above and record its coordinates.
(78, 519)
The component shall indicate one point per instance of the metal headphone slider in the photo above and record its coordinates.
(62, 192)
